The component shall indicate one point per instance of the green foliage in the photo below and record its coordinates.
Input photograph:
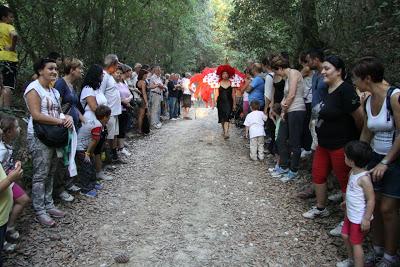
(179, 35)
(350, 28)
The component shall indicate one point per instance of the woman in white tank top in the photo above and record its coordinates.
(380, 129)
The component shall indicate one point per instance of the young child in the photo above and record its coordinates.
(360, 202)
(254, 123)
(275, 115)
(6, 199)
(88, 138)
(10, 129)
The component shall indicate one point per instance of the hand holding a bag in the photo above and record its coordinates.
(67, 121)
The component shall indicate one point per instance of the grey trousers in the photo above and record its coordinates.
(44, 161)
(289, 140)
(155, 108)
(257, 145)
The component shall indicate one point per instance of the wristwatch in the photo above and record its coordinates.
(384, 162)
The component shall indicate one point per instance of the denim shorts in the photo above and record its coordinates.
(390, 184)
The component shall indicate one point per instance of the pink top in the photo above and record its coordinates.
(124, 92)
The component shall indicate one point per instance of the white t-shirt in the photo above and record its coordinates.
(111, 93)
(100, 99)
(186, 87)
(355, 199)
(89, 130)
(6, 159)
(255, 121)
(269, 85)
(49, 104)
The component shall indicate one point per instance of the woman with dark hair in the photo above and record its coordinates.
(293, 113)
(142, 87)
(91, 98)
(43, 103)
(381, 129)
(226, 98)
(339, 120)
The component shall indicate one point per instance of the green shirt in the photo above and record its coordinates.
(6, 200)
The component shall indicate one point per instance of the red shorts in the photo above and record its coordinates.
(353, 231)
(17, 191)
(326, 160)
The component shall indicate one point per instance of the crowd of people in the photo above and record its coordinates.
(347, 120)
(71, 127)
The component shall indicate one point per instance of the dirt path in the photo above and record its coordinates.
(186, 198)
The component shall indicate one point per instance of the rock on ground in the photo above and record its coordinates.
(187, 197)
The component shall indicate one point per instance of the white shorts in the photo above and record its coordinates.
(112, 127)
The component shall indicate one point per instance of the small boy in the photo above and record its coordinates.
(88, 138)
(360, 202)
(254, 123)
(275, 115)
(6, 199)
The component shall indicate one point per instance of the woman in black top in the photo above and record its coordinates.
(340, 119)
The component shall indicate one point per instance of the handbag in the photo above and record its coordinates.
(51, 135)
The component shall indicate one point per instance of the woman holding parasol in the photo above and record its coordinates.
(226, 97)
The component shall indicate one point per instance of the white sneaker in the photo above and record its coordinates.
(345, 263)
(125, 152)
(274, 168)
(305, 153)
(314, 213)
(157, 126)
(337, 231)
(8, 247)
(174, 119)
(101, 175)
(336, 197)
(65, 196)
(74, 188)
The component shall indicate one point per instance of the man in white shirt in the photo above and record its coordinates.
(268, 85)
(111, 92)
(157, 88)
(187, 96)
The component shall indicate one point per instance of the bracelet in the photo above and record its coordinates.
(384, 162)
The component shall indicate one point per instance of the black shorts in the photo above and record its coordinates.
(9, 71)
(390, 184)
(187, 101)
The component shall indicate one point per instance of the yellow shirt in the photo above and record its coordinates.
(6, 200)
(6, 41)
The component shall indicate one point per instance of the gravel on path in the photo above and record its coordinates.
(187, 197)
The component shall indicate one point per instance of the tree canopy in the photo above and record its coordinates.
(191, 34)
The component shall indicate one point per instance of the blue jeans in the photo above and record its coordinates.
(173, 104)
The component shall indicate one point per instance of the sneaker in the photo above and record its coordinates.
(157, 126)
(279, 172)
(371, 258)
(65, 196)
(274, 168)
(173, 119)
(118, 161)
(345, 263)
(336, 197)
(56, 213)
(9, 247)
(289, 176)
(12, 233)
(92, 193)
(74, 188)
(314, 213)
(45, 220)
(305, 153)
(337, 231)
(387, 263)
(98, 186)
(125, 152)
(101, 175)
